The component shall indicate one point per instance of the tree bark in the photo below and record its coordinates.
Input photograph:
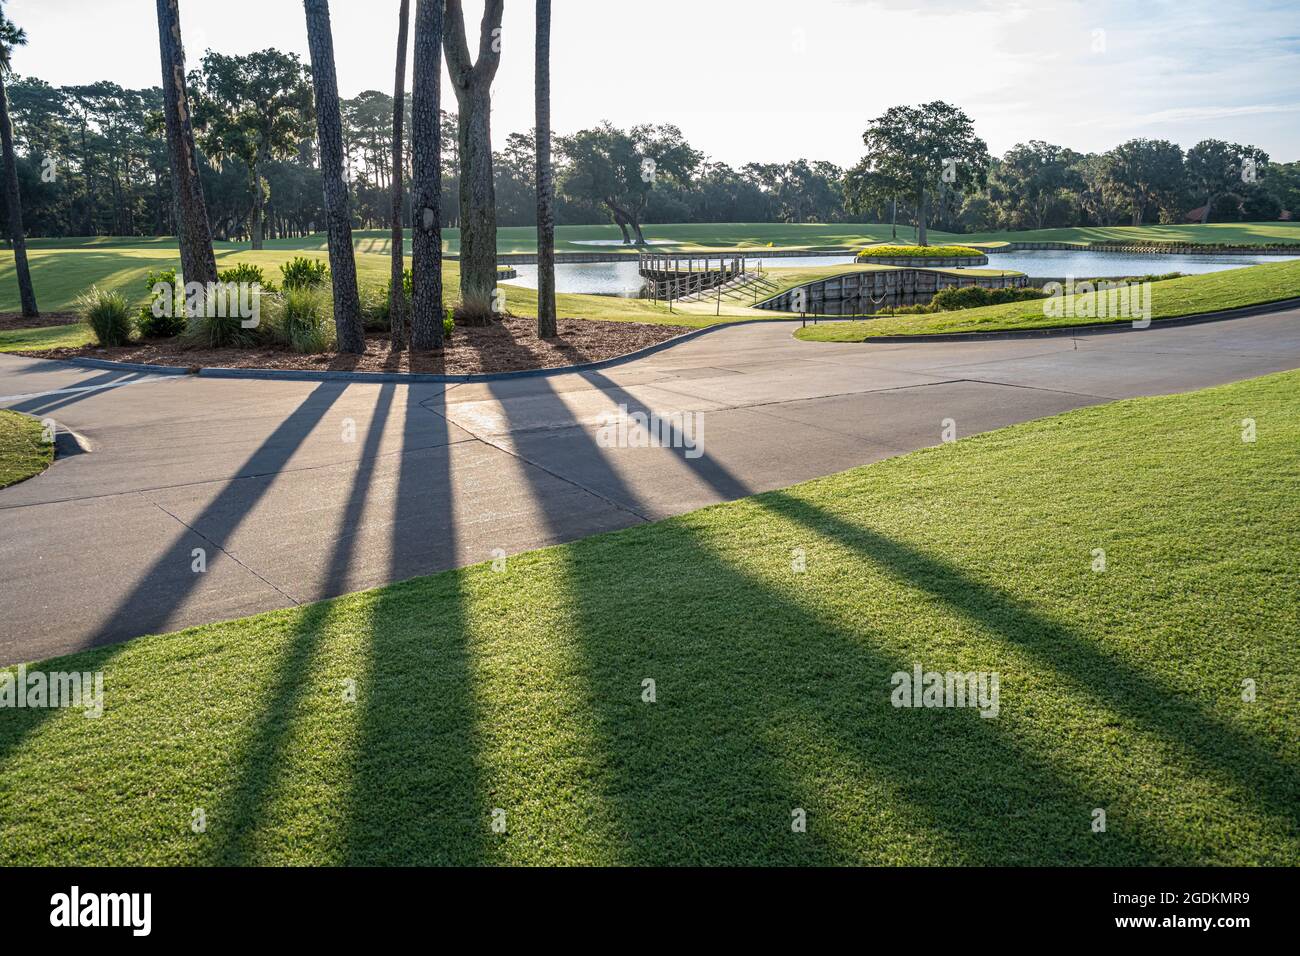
(921, 210)
(478, 217)
(259, 203)
(396, 293)
(621, 221)
(198, 263)
(546, 324)
(329, 129)
(426, 181)
(26, 291)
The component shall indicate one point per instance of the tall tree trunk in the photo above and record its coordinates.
(921, 209)
(426, 178)
(26, 292)
(258, 205)
(396, 294)
(478, 207)
(621, 221)
(893, 218)
(329, 132)
(546, 325)
(478, 217)
(1205, 215)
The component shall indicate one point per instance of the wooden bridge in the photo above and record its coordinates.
(677, 278)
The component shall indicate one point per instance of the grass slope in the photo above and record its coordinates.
(1257, 233)
(522, 690)
(1171, 298)
(23, 450)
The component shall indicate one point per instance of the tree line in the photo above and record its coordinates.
(927, 165)
(92, 161)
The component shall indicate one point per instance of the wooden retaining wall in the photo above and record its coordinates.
(888, 288)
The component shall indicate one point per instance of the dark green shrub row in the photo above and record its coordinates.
(918, 252)
(974, 296)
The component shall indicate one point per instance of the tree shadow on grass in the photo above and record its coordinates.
(1260, 775)
(703, 775)
(416, 792)
(412, 791)
(260, 768)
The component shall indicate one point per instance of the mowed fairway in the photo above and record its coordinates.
(521, 692)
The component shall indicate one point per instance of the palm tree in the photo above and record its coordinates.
(426, 184)
(329, 127)
(10, 37)
(197, 261)
(545, 179)
(396, 294)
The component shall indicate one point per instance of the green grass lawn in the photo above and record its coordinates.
(51, 337)
(1171, 298)
(23, 449)
(522, 690)
(1251, 233)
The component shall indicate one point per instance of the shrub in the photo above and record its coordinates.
(300, 318)
(162, 326)
(107, 314)
(973, 296)
(247, 273)
(375, 311)
(918, 252)
(217, 331)
(303, 273)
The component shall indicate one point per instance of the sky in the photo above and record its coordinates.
(773, 80)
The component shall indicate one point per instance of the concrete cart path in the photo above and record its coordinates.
(288, 492)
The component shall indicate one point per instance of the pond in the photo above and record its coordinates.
(621, 278)
(1058, 263)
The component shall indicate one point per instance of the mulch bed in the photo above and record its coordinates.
(16, 320)
(505, 346)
